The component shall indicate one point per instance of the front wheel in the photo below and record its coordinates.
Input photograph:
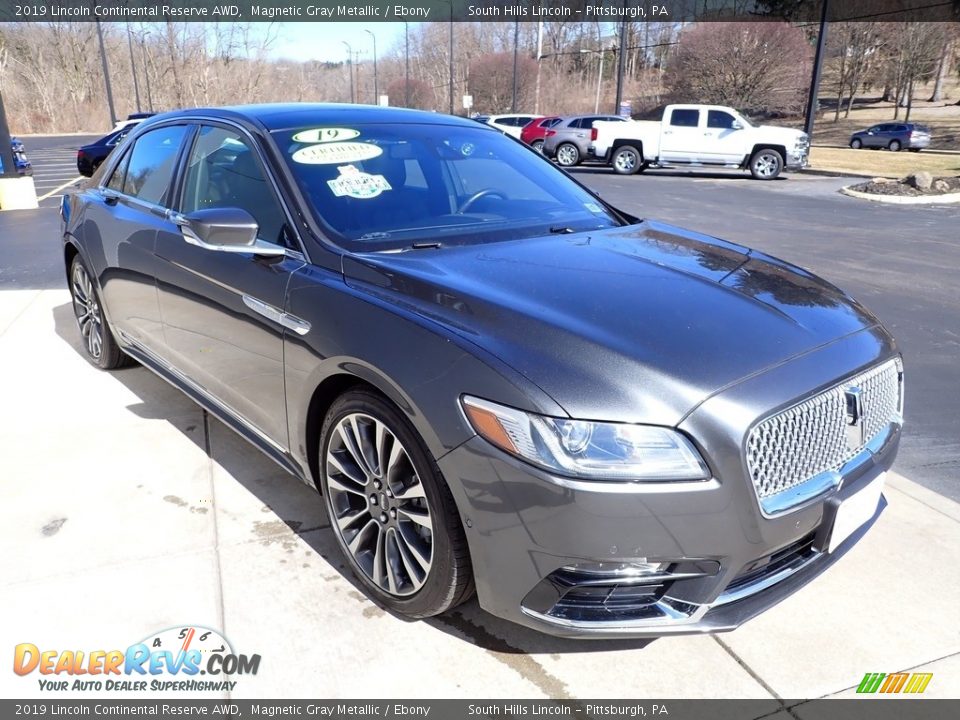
(766, 164)
(390, 509)
(856, 143)
(568, 155)
(99, 345)
(627, 161)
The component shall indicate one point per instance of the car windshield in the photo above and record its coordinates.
(380, 187)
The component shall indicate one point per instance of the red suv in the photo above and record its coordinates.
(533, 133)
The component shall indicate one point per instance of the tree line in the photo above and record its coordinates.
(51, 77)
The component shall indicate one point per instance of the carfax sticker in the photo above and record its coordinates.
(324, 135)
(335, 153)
(357, 184)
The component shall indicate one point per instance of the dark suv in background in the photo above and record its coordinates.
(893, 136)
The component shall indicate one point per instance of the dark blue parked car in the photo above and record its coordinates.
(19, 157)
(893, 136)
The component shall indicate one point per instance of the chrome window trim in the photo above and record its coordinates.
(198, 120)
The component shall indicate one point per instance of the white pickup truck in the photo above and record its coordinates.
(699, 135)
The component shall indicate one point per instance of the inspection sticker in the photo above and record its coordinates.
(335, 153)
(356, 184)
(593, 207)
(325, 135)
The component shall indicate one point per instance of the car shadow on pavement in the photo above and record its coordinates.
(301, 510)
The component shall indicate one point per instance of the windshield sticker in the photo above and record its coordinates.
(356, 184)
(325, 135)
(336, 153)
(593, 207)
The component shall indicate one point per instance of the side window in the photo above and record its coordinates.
(151, 165)
(874, 129)
(119, 173)
(685, 118)
(223, 171)
(719, 120)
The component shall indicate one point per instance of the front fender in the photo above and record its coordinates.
(421, 366)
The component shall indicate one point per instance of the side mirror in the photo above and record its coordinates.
(227, 229)
(736, 125)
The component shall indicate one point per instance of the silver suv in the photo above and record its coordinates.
(569, 140)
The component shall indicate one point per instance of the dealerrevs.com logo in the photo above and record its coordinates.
(188, 658)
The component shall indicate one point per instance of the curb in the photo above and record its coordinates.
(903, 199)
(835, 173)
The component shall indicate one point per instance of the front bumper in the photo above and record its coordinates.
(720, 561)
(798, 158)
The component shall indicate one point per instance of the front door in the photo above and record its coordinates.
(220, 309)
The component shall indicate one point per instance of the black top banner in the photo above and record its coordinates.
(475, 10)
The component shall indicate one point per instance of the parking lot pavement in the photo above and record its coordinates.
(128, 510)
(54, 160)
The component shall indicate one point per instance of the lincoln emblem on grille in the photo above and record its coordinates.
(855, 428)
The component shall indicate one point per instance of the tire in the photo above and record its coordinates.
(567, 155)
(894, 146)
(766, 164)
(537, 145)
(627, 160)
(99, 345)
(431, 571)
(856, 143)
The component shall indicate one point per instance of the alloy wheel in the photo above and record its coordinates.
(87, 310)
(625, 162)
(567, 155)
(766, 165)
(381, 512)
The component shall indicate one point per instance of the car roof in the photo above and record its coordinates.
(279, 116)
(504, 115)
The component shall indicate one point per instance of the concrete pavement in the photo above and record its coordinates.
(127, 510)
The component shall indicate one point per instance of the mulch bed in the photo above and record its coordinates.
(880, 186)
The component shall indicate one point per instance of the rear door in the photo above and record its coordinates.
(681, 139)
(222, 311)
(122, 221)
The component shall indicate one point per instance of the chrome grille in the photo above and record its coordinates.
(810, 438)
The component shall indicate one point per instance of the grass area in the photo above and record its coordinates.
(883, 163)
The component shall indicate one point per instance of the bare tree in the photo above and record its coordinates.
(749, 65)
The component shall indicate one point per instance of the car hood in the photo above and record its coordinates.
(634, 324)
(786, 136)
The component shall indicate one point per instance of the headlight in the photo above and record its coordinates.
(593, 450)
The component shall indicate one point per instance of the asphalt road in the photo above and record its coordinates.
(54, 160)
(900, 261)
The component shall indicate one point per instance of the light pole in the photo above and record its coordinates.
(450, 58)
(815, 80)
(516, 43)
(106, 74)
(621, 63)
(596, 102)
(376, 87)
(350, 68)
(406, 59)
(133, 68)
(146, 68)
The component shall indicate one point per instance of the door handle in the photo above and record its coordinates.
(668, 132)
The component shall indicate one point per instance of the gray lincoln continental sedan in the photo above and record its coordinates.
(602, 425)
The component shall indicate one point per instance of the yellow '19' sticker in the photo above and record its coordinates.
(322, 135)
